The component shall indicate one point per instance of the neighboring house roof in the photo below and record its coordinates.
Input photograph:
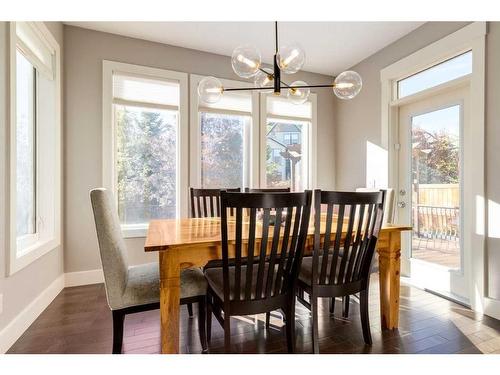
(284, 128)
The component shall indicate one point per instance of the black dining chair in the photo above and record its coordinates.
(261, 257)
(206, 202)
(389, 204)
(267, 190)
(341, 261)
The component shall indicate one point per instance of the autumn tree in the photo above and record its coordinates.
(222, 150)
(437, 155)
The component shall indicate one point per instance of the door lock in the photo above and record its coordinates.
(402, 192)
(401, 204)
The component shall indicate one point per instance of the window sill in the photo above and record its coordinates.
(32, 253)
(134, 231)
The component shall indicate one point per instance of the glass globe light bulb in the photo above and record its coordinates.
(246, 61)
(347, 85)
(210, 90)
(266, 79)
(298, 95)
(291, 58)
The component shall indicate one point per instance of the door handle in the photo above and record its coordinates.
(401, 204)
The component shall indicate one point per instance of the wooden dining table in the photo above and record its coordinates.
(184, 243)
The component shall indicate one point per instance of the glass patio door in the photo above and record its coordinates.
(431, 189)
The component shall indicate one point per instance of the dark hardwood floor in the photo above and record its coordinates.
(79, 321)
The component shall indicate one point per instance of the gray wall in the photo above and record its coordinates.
(358, 121)
(20, 289)
(84, 52)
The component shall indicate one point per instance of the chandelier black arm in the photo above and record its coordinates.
(283, 87)
(276, 34)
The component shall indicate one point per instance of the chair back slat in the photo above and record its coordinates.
(250, 253)
(263, 251)
(237, 274)
(336, 246)
(273, 249)
(199, 208)
(347, 244)
(366, 234)
(289, 262)
(273, 258)
(206, 202)
(357, 219)
(356, 244)
(284, 249)
(327, 242)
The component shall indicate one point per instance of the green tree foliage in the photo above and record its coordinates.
(437, 155)
(146, 163)
(273, 175)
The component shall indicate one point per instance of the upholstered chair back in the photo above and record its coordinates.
(111, 246)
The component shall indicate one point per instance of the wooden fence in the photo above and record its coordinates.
(441, 195)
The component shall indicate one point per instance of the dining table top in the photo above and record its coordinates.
(171, 233)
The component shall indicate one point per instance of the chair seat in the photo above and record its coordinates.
(193, 283)
(305, 274)
(143, 284)
(215, 280)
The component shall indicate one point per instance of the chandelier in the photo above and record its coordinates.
(288, 59)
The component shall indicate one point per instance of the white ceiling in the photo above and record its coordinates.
(330, 47)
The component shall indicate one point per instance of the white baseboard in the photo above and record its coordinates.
(492, 307)
(13, 330)
(83, 278)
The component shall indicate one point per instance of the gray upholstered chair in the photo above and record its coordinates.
(131, 289)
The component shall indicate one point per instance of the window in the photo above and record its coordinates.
(146, 114)
(291, 138)
(448, 70)
(25, 147)
(223, 149)
(144, 119)
(288, 130)
(222, 138)
(35, 143)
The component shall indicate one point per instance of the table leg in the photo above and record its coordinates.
(389, 274)
(169, 301)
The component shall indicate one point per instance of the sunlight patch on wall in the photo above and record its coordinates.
(493, 219)
(376, 166)
(480, 215)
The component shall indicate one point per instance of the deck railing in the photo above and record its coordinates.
(435, 222)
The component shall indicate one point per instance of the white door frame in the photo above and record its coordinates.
(469, 38)
(450, 282)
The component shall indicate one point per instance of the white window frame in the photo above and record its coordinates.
(311, 136)
(251, 153)
(43, 241)
(471, 37)
(108, 135)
